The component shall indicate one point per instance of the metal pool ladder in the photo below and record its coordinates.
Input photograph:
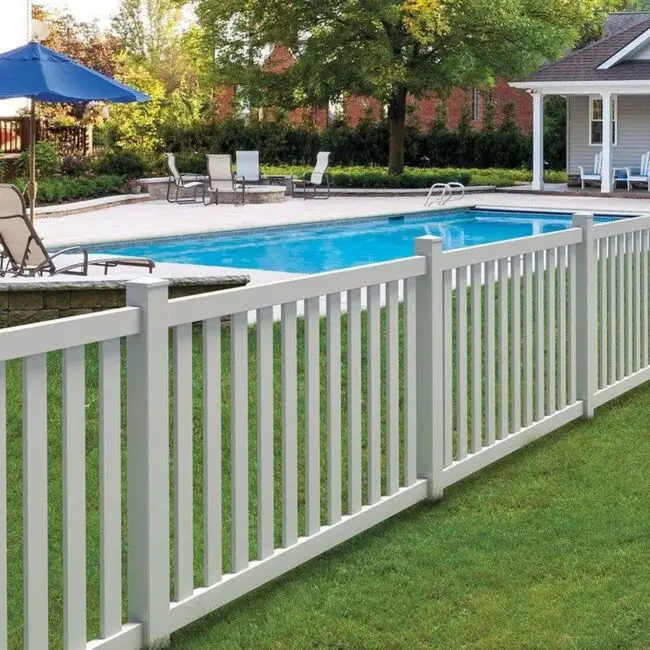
(446, 193)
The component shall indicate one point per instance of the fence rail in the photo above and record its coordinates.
(355, 395)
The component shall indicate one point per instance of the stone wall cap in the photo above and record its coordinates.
(82, 282)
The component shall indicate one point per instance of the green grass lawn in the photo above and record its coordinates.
(547, 549)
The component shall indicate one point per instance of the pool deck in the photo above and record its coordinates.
(155, 219)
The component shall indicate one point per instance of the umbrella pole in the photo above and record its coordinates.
(32, 186)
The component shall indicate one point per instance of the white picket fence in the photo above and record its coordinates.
(490, 348)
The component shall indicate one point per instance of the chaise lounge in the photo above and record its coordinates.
(24, 253)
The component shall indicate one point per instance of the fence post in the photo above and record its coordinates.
(586, 312)
(429, 366)
(148, 461)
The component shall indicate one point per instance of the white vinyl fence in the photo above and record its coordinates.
(249, 451)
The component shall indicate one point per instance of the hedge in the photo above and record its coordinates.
(60, 190)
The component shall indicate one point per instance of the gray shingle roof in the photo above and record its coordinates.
(582, 65)
(622, 20)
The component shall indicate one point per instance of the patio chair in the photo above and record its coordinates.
(220, 176)
(248, 166)
(25, 253)
(181, 182)
(316, 179)
(643, 175)
(595, 175)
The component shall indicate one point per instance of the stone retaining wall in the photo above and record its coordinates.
(36, 301)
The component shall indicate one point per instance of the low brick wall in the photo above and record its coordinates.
(157, 188)
(23, 302)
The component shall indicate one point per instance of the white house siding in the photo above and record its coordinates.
(15, 30)
(633, 132)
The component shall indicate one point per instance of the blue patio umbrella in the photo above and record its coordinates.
(41, 74)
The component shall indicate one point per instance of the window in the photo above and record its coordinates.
(476, 104)
(596, 121)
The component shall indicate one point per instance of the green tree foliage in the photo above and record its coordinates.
(387, 49)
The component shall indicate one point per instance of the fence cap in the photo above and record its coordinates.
(427, 244)
(583, 219)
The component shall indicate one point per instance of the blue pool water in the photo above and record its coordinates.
(324, 247)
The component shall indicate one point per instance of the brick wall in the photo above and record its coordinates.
(423, 110)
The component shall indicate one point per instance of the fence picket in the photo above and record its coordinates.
(374, 395)
(645, 245)
(539, 335)
(410, 360)
(490, 369)
(528, 339)
(602, 312)
(477, 359)
(573, 326)
(239, 439)
(515, 348)
(110, 488)
(562, 328)
(392, 387)
(629, 303)
(212, 493)
(183, 489)
(461, 361)
(620, 253)
(611, 315)
(447, 352)
(35, 499)
(504, 346)
(312, 416)
(354, 401)
(3, 509)
(550, 332)
(289, 426)
(333, 408)
(637, 301)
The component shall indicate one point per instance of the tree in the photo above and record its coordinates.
(387, 49)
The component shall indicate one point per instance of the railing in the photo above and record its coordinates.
(14, 136)
(356, 394)
(446, 193)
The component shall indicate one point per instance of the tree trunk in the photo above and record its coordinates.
(397, 129)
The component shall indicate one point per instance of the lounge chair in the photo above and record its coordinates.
(643, 174)
(248, 166)
(25, 253)
(220, 176)
(595, 175)
(316, 178)
(183, 182)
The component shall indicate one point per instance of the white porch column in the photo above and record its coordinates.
(538, 140)
(606, 173)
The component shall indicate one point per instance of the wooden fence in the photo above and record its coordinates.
(429, 369)
(14, 136)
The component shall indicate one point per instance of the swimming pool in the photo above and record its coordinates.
(320, 247)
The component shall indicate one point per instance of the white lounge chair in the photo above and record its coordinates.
(183, 182)
(595, 175)
(316, 179)
(248, 166)
(25, 254)
(220, 176)
(643, 176)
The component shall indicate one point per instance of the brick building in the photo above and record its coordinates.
(423, 111)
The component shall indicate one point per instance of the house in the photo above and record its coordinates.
(607, 88)
(15, 30)
(423, 111)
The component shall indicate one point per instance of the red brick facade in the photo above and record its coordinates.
(421, 112)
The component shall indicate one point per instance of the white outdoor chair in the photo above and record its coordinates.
(595, 175)
(248, 166)
(183, 182)
(316, 179)
(644, 172)
(220, 176)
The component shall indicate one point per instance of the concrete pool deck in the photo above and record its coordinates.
(155, 219)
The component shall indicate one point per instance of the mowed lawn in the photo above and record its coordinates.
(549, 548)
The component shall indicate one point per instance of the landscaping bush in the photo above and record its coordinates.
(373, 177)
(62, 189)
(75, 165)
(48, 160)
(280, 143)
(122, 163)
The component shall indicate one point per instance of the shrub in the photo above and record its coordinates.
(58, 190)
(48, 160)
(75, 165)
(122, 163)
